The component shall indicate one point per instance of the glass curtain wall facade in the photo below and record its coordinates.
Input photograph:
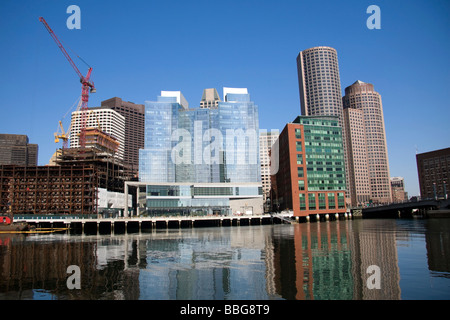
(212, 146)
(239, 124)
(155, 161)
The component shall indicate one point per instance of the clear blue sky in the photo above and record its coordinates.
(138, 48)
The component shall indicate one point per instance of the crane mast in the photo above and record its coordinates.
(87, 86)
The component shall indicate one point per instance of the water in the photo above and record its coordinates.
(308, 261)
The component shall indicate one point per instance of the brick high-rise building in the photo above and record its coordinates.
(310, 174)
(134, 128)
(16, 149)
(434, 173)
(367, 156)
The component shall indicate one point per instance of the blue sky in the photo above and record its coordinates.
(138, 48)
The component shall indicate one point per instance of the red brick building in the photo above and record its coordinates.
(310, 174)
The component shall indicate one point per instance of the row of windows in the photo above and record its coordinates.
(188, 191)
(322, 201)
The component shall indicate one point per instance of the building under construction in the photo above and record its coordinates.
(69, 187)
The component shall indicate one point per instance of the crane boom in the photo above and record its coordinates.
(53, 35)
(87, 86)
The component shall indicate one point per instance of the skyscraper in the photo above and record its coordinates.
(358, 182)
(109, 121)
(134, 128)
(16, 149)
(366, 141)
(320, 88)
(266, 141)
(319, 82)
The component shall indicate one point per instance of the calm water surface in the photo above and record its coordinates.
(326, 260)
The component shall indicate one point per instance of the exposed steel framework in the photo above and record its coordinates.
(71, 187)
(87, 86)
(48, 189)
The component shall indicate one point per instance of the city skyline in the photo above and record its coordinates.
(161, 46)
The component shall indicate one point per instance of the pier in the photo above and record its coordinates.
(94, 224)
(138, 224)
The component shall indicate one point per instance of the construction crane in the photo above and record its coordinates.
(60, 132)
(87, 86)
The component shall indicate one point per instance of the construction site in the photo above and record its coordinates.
(71, 187)
(72, 184)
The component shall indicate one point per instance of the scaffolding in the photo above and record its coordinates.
(48, 190)
(68, 188)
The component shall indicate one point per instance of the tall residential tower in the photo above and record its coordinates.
(107, 120)
(367, 156)
(134, 128)
(319, 82)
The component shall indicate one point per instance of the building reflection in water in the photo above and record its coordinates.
(330, 260)
(308, 261)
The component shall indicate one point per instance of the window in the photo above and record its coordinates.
(302, 201)
(341, 200)
(312, 201)
(298, 146)
(300, 172)
(322, 203)
(301, 185)
(331, 201)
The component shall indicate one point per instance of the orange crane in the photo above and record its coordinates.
(87, 86)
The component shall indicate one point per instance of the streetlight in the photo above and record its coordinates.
(434, 190)
(445, 191)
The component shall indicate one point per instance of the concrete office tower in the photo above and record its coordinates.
(109, 121)
(210, 99)
(362, 96)
(357, 162)
(266, 141)
(134, 128)
(16, 149)
(319, 82)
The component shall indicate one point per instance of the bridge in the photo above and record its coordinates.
(427, 208)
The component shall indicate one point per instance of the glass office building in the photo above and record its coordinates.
(201, 159)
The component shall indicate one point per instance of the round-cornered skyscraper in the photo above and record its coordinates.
(319, 82)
